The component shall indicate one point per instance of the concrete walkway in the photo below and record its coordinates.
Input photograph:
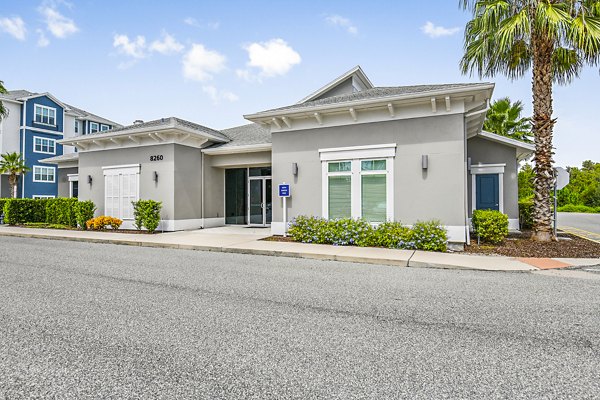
(248, 241)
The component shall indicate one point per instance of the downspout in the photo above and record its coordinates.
(23, 147)
(202, 188)
(466, 181)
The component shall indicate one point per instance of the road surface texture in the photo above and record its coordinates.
(81, 320)
(588, 222)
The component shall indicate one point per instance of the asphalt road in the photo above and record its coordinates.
(587, 222)
(82, 320)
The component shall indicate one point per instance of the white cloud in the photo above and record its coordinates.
(274, 57)
(14, 27)
(218, 95)
(342, 22)
(168, 45)
(132, 48)
(42, 39)
(59, 25)
(195, 23)
(434, 31)
(200, 63)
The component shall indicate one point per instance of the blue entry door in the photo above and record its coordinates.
(487, 192)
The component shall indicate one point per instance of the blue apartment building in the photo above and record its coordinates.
(34, 126)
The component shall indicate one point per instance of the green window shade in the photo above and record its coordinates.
(340, 166)
(373, 197)
(340, 197)
(372, 165)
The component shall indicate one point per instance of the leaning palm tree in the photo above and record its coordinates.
(13, 165)
(554, 38)
(3, 110)
(504, 118)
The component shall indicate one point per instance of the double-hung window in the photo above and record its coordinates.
(76, 126)
(45, 115)
(43, 174)
(104, 128)
(94, 127)
(358, 183)
(44, 145)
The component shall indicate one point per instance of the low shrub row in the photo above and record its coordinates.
(146, 214)
(490, 225)
(428, 235)
(526, 213)
(60, 211)
(578, 208)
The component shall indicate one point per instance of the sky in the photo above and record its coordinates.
(211, 62)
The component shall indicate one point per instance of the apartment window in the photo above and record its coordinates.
(76, 126)
(44, 174)
(42, 196)
(358, 182)
(104, 127)
(45, 115)
(94, 127)
(44, 145)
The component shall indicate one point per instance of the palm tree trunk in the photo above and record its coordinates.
(12, 181)
(542, 131)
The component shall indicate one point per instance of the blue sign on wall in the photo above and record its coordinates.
(284, 190)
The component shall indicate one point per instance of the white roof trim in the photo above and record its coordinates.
(354, 71)
(54, 99)
(250, 148)
(356, 104)
(530, 147)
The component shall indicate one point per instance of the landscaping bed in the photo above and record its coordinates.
(520, 245)
(41, 225)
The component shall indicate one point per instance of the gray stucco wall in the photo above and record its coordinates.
(63, 181)
(437, 193)
(91, 163)
(188, 183)
(482, 151)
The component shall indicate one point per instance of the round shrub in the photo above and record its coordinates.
(393, 235)
(490, 225)
(308, 229)
(429, 235)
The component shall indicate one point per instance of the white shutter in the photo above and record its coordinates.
(121, 188)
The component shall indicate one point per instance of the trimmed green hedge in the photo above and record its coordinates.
(60, 211)
(490, 225)
(428, 235)
(526, 213)
(2, 203)
(146, 214)
(578, 208)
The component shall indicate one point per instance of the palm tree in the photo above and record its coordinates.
(13, 165)
(3, 110)
(554, 38)
(504, 118)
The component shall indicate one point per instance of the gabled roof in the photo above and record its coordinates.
(377, 93)
(356, 72)
(524, 149)
(21, 95)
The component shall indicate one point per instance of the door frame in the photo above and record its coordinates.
(263, 197)
(482, 169)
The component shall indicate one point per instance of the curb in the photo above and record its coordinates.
(277, 253)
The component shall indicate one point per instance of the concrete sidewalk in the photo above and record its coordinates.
(248, 241)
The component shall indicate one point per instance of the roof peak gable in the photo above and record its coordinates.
(359, 79)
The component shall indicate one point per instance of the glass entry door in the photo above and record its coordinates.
(259, 201)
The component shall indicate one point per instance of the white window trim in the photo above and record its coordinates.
(482, 169)
(355, 183)
(44, 138)
(77, 127)
(43, 196)
(102, 126)
(72, 178)
(90, 127)
(43, 166)
(42, 107)
(378, 151)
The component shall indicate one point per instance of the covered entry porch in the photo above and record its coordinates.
(248, 196)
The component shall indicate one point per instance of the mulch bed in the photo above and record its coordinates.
(521, 245)
(278, 239)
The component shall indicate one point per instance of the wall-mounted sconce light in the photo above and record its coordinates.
(424, 161)
(155, 177)
(90, 180)
(295, 169)
(469, 164)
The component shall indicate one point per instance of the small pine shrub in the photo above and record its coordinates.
(490, 225)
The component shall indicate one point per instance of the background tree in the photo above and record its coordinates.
(3, 110)
(13, 165)
(554, 38)
(504, 118)
(526, 176)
